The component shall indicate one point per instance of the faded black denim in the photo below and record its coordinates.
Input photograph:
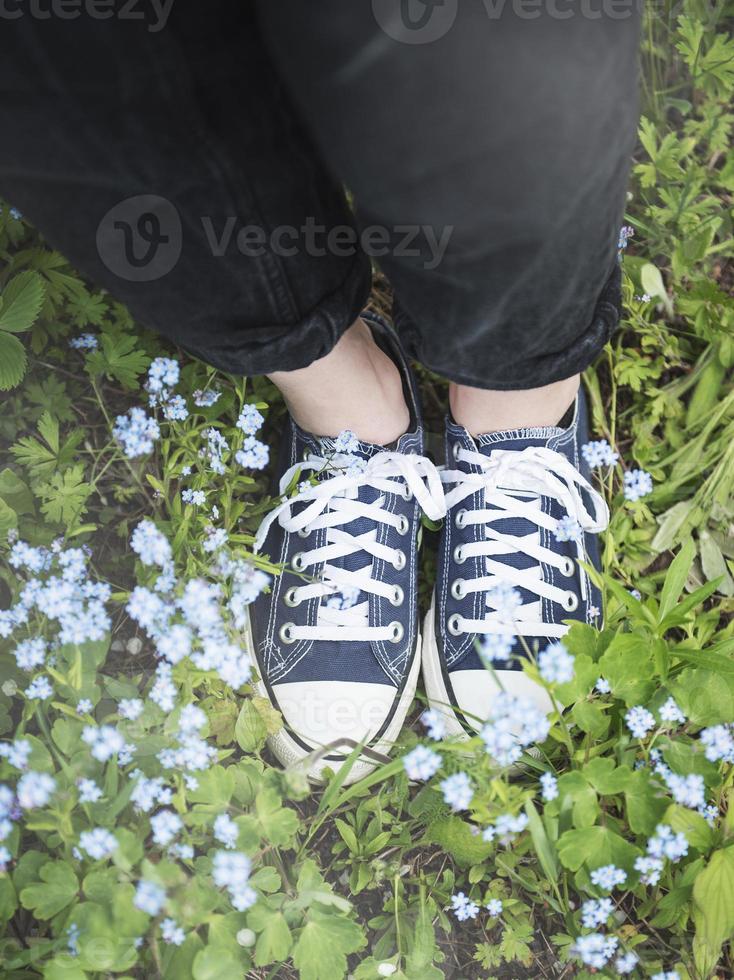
(513, 134)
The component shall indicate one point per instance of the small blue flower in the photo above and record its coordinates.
(136, 432)
(626, 963)
(422, 763)
(85, 341)
(435, 722)
(596, 911)
(457, 791)
(205, 399)
(637, 484)
(150, 544)
(346, 442)
(171, 933)
(89, 791)
(254, 454)
(640, 721)
(568, 529)
(625, 233)
(99, 843)
(599, 453)
(149, 897)
(40, 688)
(555, 664)
(34, 789)
(250, 420)
(670, 712)
(494, 907)
(496, 647)
(595, 949)
(226, 830)
(194, 497)
(549, 786)
(607, 877)
(175, 409)
(463, 908)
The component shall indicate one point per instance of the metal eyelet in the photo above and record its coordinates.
(404, 525)
(290, 597)
(455, 450)
(398, 632)
(570, 602)
(397, 597)
(457, 588)
(459, 556)
(398, 562)
(304, 532)
(286, 633)
(454, 625)
(568, 568)
(297, 562)
(407, 493)
(460, 518)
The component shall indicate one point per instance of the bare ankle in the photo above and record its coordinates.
(355, 386)
(480, 410)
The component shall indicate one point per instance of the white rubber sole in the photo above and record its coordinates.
(291, 754)
(433, 680)
(513, 682)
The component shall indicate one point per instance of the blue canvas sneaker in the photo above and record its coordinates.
(521, 514)
(337, 640)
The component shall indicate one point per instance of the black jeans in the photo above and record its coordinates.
(193, 163)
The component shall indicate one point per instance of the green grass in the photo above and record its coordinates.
(351, 879)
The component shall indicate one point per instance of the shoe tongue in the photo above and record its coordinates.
(517, 439)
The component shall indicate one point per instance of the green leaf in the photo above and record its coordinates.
(13, 361)
(63, 967)
(20, 302)
(676, 577)
(697, 831)
(59, 886)
(652, 283)
(42, 460)
(8, 519)
(713, 895)
(65, 496)
(118, 359)
(454, 836)
(215, 788)
(606, 777)
(274, 941)
(279, 823)
(8, 898)
(590, 718)
(217, 963)
(593, 847)
(324, 944)
(257, 719)
(15, 492)
(541, 842)
(644, 808)
(705, 696)
(627, 666)
(670, 524)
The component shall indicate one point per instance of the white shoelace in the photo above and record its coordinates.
(508, 475)
(333, 502)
